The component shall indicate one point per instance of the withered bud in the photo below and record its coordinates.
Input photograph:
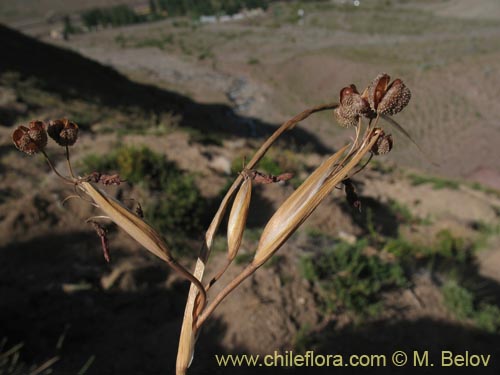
(395, 99)
(30, 140)
(383, 145)
(63, 132)
(113, 179)
(102, 233)
(351, 195)
(262, 178)
(105, 179)
(138, 210)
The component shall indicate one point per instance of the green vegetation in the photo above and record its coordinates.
(436, 182)
(253, 61)
(485, 232)
(118, 15)
(266, 165)
(447, 253)
(479, 187)
(206, 7)
(401, 211)
(465, 306)
(175, 205)
(350, 279)
(244, 258)
(302, 341)
(276, 162)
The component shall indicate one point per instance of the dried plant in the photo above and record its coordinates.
(361, 111)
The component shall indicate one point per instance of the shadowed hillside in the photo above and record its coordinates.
(69, 75)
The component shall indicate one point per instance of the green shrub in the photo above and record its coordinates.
(458, 300)
(436, 182)
(461, 302)
(350, 279)
(175, 204)
(487, 317)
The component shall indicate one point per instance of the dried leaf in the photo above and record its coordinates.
(138, 229)
(238, 218)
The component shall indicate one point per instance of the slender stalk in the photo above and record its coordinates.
(55, 170)
(354, 158)
(219, 274)
(188, 336)
(250, 269)
(290, 124)
(190, 277)
(69, 162)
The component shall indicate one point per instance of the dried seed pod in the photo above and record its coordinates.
(383, 145)
(352, 102)
(344, 119)
(238, 218)
(63, 132)
(138, 229)
(30, 140)
(352, 106)
(38, 134)
(395, 99)
(376, 90)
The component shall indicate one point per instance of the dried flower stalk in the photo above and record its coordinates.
(379, 100)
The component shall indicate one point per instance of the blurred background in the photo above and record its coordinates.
(174, 95)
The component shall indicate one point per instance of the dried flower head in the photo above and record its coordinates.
(63, 131)
(376, 90)
(385, 98)
(352, 106)
(383, 145)
(343, 119)
(395, 99)
(30, 140)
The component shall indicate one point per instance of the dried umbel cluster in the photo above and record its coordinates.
(33, 139)
(380, 99)
(63, 132)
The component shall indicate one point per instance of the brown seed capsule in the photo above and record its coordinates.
(64, 132)
(395, 99)
(344, 119)
(376, 90)
(352, 106)
(30, 140)
(383, 145)
(352, 102)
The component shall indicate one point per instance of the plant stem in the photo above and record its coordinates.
(189, 276)
(219, 274)
(250, 269)
(69, 163)
(187, 337)
(54, 169)
(290, 124)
